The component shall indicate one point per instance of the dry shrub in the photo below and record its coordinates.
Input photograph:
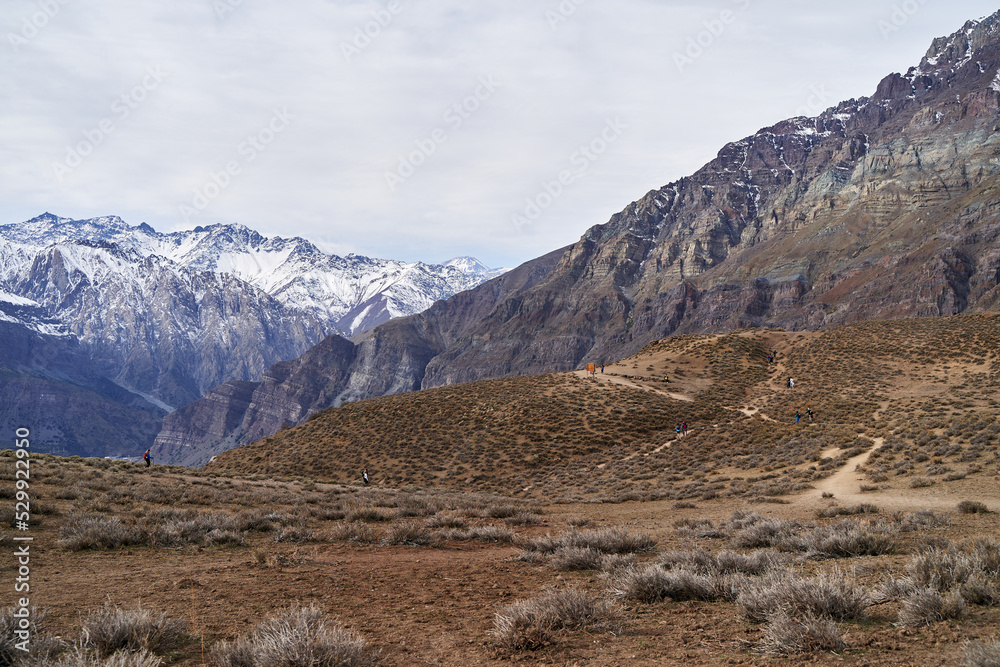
(409, 533)
(655, 584)
(726, 562)
(863, 508)
(360, 533)
(80, 658)
(576, 558)
(849, 539)
(784, 635)
(940, 569)
(830, 595)
(219, 537)
(920, 520)
(529, 624)
(94, 531)
(295, 636)
(972, 507)
(113, 629)
(294, 534)
(43, 648)
(981, 654)
(927, 606)
(604, 540)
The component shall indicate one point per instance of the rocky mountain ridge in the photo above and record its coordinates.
(881, 207)
(166, 317)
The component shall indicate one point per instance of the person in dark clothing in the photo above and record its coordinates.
(684, 428)
(810, 413)
(148, 458)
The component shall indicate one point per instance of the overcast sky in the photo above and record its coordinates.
(415, 130)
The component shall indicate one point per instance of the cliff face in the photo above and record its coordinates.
(48, 385)
(391, 359)
(878, 208)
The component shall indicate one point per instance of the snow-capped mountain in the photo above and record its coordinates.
(353, 293)
(169, 316)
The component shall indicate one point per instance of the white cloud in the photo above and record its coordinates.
(564, 69)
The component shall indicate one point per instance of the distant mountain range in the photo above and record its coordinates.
(878, 208)
(169, 316)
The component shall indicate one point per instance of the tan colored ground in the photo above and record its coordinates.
(435, 605)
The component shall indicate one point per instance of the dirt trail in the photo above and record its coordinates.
(617, 379)
(845, 485)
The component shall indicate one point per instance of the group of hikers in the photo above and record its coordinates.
(682, 429)
(798, 415)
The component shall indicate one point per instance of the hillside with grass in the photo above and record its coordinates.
(925, 388)
(560, 519)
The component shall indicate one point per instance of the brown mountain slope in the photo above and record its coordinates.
(924, 385)
(879, 208)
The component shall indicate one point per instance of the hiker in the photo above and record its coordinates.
(148, 458)
(684, 428)
(678, 430)
(810, 413)
(791, 383)
(798, 416)
(770, 357)
(602, 369)
(364, 476)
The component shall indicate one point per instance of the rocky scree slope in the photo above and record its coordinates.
(878, 208)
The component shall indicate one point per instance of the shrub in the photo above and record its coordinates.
(576, 558)
(605, 541)
(981, 654)
(408, 532)
(863, 508)
(940, 569)
(784, 635)
(972, 507)
(94, 531)
(926, 606)
(112, 629)
(80, 658)
(830, 595)
(654, 584)
(296, 534)
(219, 537)
(848, 539)
(296, 636)
(529, 624)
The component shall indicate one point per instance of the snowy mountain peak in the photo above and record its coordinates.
(468, 265)
(350, 293)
